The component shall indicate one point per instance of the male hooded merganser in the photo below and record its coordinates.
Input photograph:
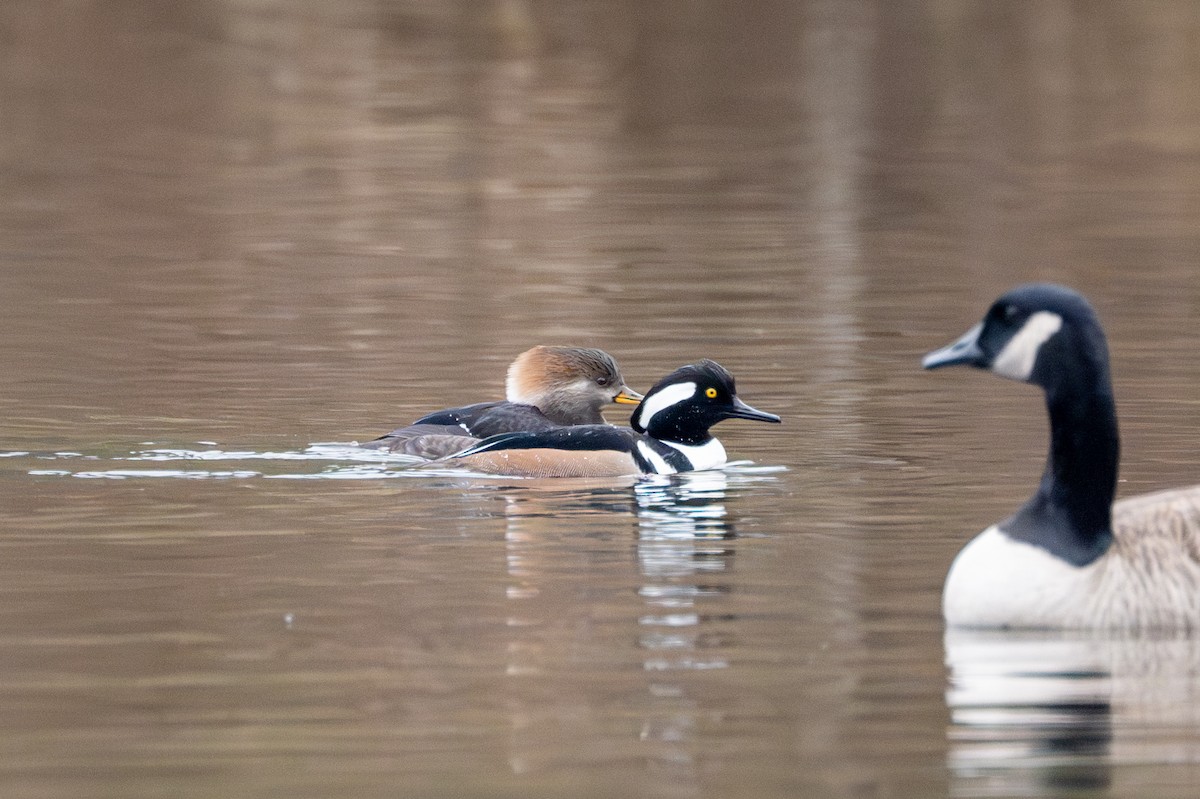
(669, 435)
(1070, 558)
(546, 387)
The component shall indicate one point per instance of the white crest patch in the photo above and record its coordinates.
(661, 400)
(654, 459)
(1017, 358)
(512, 389)
(709, 455)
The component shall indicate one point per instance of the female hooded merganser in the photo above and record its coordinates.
(1070, 558)
(546, 387)
(670, 434)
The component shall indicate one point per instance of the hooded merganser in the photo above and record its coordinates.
(546, 387)
(669, 434)
(1070, 557)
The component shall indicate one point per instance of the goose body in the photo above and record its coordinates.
(669, 434)
(546, 387)
(1070, 558)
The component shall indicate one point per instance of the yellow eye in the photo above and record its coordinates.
(711, 393)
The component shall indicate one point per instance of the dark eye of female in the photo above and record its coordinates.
(602, 381)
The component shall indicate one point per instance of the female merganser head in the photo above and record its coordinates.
(569, 385)
(546, 387)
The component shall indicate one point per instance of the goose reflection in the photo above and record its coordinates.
(1040, 714)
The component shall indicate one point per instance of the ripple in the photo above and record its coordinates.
(333, 461)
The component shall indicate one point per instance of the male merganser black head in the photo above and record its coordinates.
(568, 384)
(686, 403)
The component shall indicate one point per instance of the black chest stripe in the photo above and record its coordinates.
(674, 458)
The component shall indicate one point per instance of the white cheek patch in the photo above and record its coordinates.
(661, 400)
(654, 459)
(1017, 358)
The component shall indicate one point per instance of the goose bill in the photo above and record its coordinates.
(965, 350)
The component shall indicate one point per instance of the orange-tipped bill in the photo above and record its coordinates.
(627, 396)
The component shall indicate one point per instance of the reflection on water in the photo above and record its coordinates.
(685, 547)
(682, 531)
(679, 526)
(1031, 717)
(1039, 714)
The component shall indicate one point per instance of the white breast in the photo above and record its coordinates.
(710, 455)
(997, 581)
(1146, 580)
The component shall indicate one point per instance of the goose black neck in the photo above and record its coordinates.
(1071, 513)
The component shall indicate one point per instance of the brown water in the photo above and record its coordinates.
(233, 232)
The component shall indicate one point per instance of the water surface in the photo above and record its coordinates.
(240, 235)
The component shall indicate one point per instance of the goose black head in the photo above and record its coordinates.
(1038, 333)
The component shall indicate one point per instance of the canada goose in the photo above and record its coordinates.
(1070, 558)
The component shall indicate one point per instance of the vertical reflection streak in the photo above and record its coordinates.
(560, 629)
(685, 547)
